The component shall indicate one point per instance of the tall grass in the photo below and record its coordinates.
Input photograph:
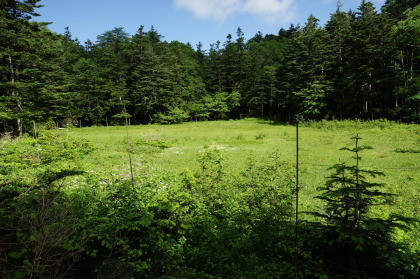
(176, 149)
(234, 169)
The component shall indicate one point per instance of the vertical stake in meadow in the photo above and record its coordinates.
(297, 198)
(128, 145)
(129, 153)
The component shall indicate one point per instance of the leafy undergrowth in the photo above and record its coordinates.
(62, 219)
(25, 157)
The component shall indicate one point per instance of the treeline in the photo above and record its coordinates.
(361, 64)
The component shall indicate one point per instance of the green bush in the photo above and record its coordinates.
(348, 240)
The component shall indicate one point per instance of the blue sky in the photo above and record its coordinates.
(186, 20)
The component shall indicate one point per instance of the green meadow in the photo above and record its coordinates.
(208, 200)
(176, 148)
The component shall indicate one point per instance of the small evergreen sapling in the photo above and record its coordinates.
(349, 194)
(355, 243)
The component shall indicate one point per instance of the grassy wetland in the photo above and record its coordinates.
(174, 149)
(211, 199)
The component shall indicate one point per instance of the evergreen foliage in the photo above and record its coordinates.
(351, 243)
(362, 64)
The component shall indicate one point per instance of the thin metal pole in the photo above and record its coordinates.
(37, 147)
(297, 199)
(129, 154)
(128, 145)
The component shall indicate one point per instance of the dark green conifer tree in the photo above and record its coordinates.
(339, 29)
(111, 54)
(22, 65)
(147, 80)
(354, 243)
(304, 81)
(404, 37)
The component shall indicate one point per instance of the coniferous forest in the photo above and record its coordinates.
(241, 198)
(362, 64)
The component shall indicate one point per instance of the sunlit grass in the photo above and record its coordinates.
(171, 150)
(241, 140)
(251, 139)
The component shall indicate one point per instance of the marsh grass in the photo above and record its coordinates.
(238, 176)
(180, 144)
(176, 149)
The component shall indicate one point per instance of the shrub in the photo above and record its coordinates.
(351, 242)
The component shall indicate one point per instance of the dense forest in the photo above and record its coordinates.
(362, 64)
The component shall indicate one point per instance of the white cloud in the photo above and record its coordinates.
(217, 10)
(271, 11)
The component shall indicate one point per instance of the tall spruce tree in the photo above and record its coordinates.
(404, 37)
(289, 75)
(110, 53)
(305, 73)
(339, 30)
(21, 63)
(89, 98)
(366, 53)
(147, 76)
(253, 95)
(215, 72)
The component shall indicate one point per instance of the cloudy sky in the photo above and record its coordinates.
(186, 20)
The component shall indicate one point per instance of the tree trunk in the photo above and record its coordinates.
(14, 75)
(403, 66)
(20, 127)
(412, 62)
(358, 194)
